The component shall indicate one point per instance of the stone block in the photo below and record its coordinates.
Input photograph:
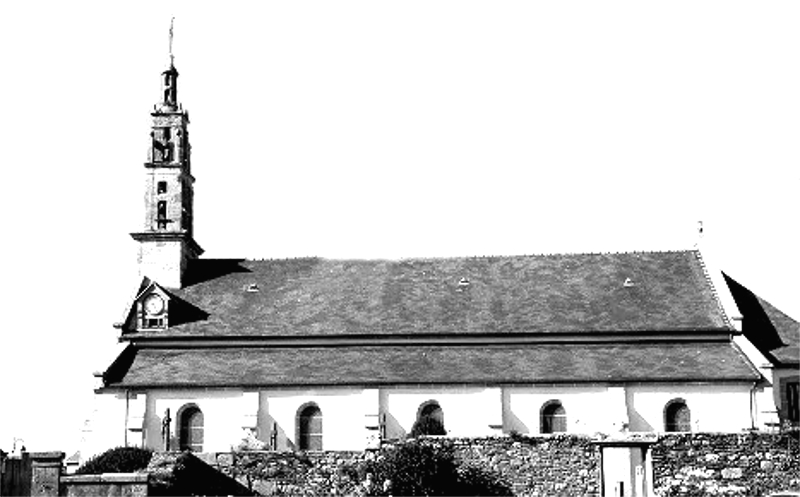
(225, 459)
(731, 473)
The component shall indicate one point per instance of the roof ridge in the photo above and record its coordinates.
(772, 306)
(271, 259)
(714, 292)
(483, 256)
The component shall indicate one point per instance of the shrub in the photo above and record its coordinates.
(427, 425)
(117, 460)
(477, 481)
(417, 468)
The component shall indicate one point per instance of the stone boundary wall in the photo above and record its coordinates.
(564, 465)
(108, 485)
(185, 473)
(747, 464)
(726, 464)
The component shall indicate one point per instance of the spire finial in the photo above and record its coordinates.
(171, 56)
(699, 238)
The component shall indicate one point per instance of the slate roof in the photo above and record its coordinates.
(565, 293)
(774, 333)
(789, 331)
(332, 366)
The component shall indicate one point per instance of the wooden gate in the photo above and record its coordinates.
(15, 474)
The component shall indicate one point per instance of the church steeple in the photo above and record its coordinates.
(169, 88)
(166, 241)
(169, 79)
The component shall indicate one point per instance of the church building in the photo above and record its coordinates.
(315, 353)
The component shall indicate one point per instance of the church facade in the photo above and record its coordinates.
(316, 354)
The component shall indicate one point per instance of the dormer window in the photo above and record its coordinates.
(154, 312)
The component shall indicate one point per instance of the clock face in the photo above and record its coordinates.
(154, 304)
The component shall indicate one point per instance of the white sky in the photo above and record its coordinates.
(381, 129)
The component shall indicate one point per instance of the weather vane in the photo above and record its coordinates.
(171, 56)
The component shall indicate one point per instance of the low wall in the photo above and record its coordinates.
(176, 473)
(725, 464)
(106, 485)
(563, 465)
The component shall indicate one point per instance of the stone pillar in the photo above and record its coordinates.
(618, 409)
(250, 406)
(373, 423)
(494, 398)
(46, 470)
(134, 425)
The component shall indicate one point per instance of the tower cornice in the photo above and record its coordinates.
(169, 236)
(168, 111)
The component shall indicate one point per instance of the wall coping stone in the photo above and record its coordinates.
(46, 459)
(46, 455)
(627, 440)
(107, 478)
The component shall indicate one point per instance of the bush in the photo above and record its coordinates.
(416, 468)
(477, 481)
(117, 460)
(427, 425)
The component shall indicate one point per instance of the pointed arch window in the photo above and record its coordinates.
(553, 417)
(190, 426)
(677, 416)
(309, 435)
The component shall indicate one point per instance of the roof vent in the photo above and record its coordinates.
(628, 283)
(252, 288)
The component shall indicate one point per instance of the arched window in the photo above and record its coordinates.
(677, 416)
(190, 425)
(554, 417)
(309, 424)
(430, 420)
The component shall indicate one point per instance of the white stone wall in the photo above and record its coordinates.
(713, 408)
(468, 411)
(173, 197)
(352, 417)
(226, 413)
(589, 409)
(162, 261)
(343, 415)
(105, 428)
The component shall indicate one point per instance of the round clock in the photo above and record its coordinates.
(154, 304)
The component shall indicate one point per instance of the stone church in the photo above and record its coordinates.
(316, 354)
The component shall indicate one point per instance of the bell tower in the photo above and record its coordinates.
(166, 241)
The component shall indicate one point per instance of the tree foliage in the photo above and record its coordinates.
(117, 460)
(427, 425)
(418, 468)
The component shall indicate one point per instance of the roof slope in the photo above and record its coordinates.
(320, 366)
(789, 331)
(566, 293)
(774, 333)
